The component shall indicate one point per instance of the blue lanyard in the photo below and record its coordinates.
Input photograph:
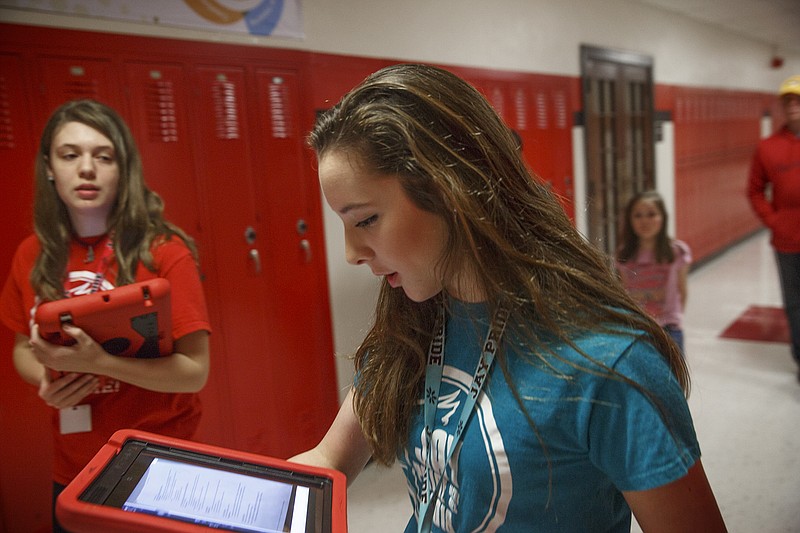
(433, 380)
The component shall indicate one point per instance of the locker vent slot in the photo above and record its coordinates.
(541, 111)
(79, 86)
(279, 109)
(498, 102)
(521, 106)
(225, 110)
(561, 109)
(6, 125)
(162, 122)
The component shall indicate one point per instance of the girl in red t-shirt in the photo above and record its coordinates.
(97, 225)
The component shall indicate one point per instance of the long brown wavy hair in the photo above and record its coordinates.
(135, 221)
(456, 158)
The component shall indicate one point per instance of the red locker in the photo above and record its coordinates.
(159, 100)
(233, 249)
(220, 128)
(68, 78)
(268, 261)
(24, 484)
(293, 260)
(543, 119)
(158, 114)
(538, 108)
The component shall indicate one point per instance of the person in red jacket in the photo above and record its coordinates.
(774, 193)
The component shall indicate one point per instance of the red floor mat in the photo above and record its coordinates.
(765, 324)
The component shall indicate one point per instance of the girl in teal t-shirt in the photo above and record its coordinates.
(508, 370)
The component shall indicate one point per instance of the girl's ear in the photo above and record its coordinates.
(47, 165)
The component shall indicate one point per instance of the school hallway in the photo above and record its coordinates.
(745, 401)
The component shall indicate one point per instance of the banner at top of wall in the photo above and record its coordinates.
(280, 18)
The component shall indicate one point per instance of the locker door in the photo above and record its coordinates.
(542, 144)
(295, 260)
(159, 96)
(236, 242)
(25, 485)
(561, 146)
(63, 79)
(268, 269)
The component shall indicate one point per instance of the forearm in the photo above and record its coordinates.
(186, 370)
(172, 373)
(322, 456)
(314, 457)
(25, 363)
(343, 447)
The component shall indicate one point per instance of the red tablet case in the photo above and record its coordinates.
(83, 517)
(131, 320)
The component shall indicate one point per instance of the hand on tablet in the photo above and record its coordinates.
(67, 390)
(83, 356)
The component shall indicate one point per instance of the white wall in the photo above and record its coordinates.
(522, 35)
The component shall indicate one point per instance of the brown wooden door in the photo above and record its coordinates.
(618, 110)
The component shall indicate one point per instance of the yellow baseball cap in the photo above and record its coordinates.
(790, 86)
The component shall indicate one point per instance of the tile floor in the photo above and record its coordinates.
(745, 402)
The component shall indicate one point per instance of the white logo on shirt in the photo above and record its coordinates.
(446, 506)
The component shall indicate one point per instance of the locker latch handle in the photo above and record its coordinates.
(256, 258)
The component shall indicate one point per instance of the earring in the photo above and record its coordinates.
(50, 178)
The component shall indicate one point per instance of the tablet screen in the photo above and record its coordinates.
(212, 491)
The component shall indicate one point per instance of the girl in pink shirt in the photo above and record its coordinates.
(654, 267)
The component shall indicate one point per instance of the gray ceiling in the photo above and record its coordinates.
(774, 22)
